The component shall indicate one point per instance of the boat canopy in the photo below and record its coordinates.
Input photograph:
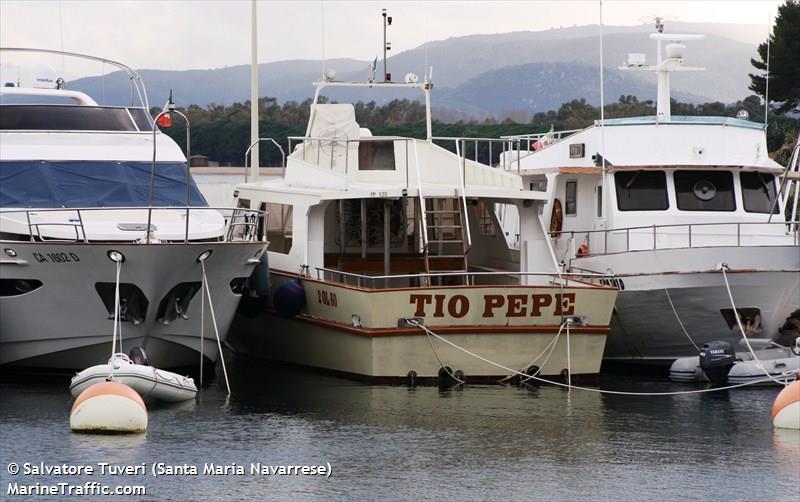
(46, 184)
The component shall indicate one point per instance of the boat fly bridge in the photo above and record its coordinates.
(371, 234)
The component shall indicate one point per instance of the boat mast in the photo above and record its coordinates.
(254, 160)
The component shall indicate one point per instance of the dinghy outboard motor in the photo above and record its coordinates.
(139, 356)
(716, 360)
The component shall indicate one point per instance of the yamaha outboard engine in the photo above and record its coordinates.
(139, 356)
(716, 360)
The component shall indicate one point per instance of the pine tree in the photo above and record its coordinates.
(784, 60)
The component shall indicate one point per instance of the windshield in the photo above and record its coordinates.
(32, 183)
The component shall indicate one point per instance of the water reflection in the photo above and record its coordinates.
(476, 442)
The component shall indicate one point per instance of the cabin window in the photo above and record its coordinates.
(704, 190)
(641, 190)
(539, 185)
(376, 156)
(599, 192)
(577, 150)
(758, 192)
(279, 227)
(243, 204)
(65, 118)
(571, 198)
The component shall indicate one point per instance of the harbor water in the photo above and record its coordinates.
(398, 443)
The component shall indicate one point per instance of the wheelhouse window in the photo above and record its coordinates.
(571, 198)
(641, 190)
(758, 192)
(69, 118)
(704, 191)
(376, 156)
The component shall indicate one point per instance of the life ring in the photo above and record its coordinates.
(583, 250)
(556, 217)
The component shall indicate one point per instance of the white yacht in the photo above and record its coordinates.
(84, 186)
(371, 237)
(665, 203)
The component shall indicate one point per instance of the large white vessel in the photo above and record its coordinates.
(665, 203)
(371, 235)
(82, 185)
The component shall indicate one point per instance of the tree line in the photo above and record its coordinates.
(223, 132)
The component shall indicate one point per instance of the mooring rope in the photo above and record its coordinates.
(216, 330)
(418, 324)
(551, 346)
(672, 305)
(202, 323)
(116, 322)
(724, 268)
(441, 364)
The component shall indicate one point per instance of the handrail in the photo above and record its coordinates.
(462, 174)
(254, 143)
(421, 200)
(691, 235)
(250, 219)
(170, 109)
(507, 144)
(362, 279)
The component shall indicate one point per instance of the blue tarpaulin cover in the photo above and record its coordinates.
(34, 183)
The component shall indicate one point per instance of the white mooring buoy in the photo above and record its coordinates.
(108, 407)
(786, 409)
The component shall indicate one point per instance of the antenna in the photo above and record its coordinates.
(766, 89)
(322, 31)
(602, 121)
(254, 160)
(387, 46)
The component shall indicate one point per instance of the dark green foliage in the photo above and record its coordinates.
(784, 60)
(223, 132)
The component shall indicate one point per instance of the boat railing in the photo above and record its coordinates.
(257, 142)
(488, 151)
(241, 224)
(672, 236)
(482, 277)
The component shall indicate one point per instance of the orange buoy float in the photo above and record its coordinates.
(786, 408)
(108, 407)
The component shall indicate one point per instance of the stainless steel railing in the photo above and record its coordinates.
(240, 224)
(379, 281)
(679, 236)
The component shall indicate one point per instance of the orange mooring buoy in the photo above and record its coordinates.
(786, 408)
(108, 407)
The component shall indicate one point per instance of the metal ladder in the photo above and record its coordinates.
(444, 236)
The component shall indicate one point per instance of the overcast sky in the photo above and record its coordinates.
(211, 33)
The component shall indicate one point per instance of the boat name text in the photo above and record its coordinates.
(505, 305)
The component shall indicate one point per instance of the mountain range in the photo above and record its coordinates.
(483, 75)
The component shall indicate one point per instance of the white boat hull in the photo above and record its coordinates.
(645, 329)
(65, 325)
